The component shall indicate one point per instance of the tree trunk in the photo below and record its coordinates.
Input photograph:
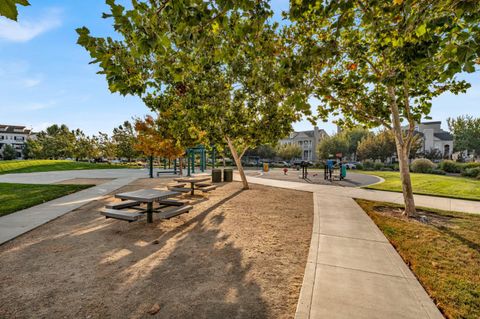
(406, 181)
(238, 162)
(402, 153)
(180, 166)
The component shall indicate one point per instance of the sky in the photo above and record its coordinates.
(46, 78)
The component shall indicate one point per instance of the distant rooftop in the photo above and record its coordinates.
(14, 129)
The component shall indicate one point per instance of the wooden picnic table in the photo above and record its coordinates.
(147, 196)
(192, 181)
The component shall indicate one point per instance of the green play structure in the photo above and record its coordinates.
(200, 151)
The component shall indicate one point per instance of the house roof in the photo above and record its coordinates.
(15, 129)
(444, 136)
(433, 122)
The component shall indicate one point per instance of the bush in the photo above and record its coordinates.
(387, 169)
(422, 165)
(472, 172)
(396, 167)
(319, 165)
(378, 166)
(466, 166)
(450, 166)
(368, 165)
(437, 172)
(359, 166)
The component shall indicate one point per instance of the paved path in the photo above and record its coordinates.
(451, 204)
(352, 270)
(58, 176)
(13, 225)
(316, 177)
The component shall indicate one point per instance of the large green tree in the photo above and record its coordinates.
(466, 133)
(289, 151)
(215, 70)
(9, 152)
(380, 63)
(124, 137)
(377, 146)
(329, 146)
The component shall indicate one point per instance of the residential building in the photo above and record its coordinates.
(434, 138)
(308, 141)
(15, 136)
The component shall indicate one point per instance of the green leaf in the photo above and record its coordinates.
(8, 8)
(421, 30)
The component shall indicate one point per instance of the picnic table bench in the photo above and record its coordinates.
(194, 181)
(145, 196)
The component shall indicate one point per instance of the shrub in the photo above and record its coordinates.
(368, 165)
(437, 172)
(378, 166)
(387, 169)
(450, 166)
(396, 167)
(466, 166)
(422, 165)
(472, 172)
(359, 166)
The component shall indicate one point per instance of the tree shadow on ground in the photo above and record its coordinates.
(109, 269)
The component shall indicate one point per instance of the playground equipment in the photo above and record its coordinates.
(191, 154)
(334, 170)
(304, 165)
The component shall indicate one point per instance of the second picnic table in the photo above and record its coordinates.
(192, 181)
(147, 196)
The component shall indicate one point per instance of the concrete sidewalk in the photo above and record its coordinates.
(15, 224)
(352, 270)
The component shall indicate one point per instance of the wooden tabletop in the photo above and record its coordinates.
(197, 179)
(147, 195)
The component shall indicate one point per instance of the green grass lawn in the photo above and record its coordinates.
(444, 254)
(15, 197)
(429, 184)
(29, 166)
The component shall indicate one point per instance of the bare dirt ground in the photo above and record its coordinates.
(239, 254)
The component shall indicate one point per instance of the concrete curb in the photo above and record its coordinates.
(306, 293)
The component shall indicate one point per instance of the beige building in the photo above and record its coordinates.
(434, 138)
(15, 136)
(308, 141)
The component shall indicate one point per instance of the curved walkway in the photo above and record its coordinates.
(352, 270)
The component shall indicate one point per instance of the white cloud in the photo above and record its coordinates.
(24, 30)
(31, 82)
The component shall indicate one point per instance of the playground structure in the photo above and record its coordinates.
(191, 156)
(334, 171)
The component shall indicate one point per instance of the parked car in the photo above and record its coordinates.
(351, 165)
(281, 164)
(299, 163)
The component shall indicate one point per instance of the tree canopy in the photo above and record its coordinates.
(216, 71)
(380, 63)
(466, 133)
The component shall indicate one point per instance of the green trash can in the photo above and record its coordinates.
(216, 175)
(228, 175)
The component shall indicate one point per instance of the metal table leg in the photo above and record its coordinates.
(150, 212)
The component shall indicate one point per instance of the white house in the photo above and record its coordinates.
(434, 138)
(308, 141)
(15, 136)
